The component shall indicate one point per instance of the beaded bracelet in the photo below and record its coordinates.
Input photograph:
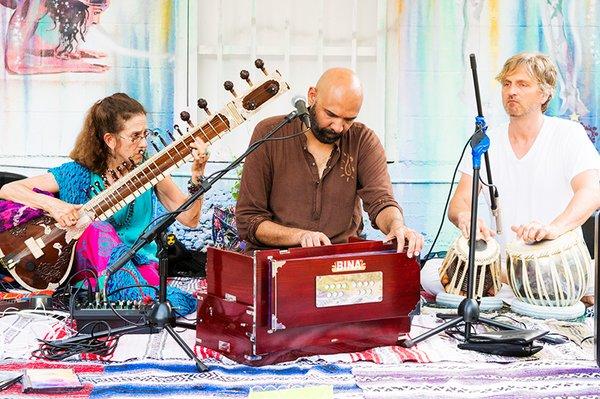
(192, 187)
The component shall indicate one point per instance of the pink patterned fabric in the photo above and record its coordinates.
(93, 252)
(13, 214)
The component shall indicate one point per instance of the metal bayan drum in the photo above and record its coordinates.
(453, 273)
(550, 277)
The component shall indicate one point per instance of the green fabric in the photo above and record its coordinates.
(130, 221)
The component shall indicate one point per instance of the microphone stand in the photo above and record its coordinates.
(468, 310)
(161, 316)
(480, 125)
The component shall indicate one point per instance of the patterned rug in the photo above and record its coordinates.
(533, 379)
(179, 379)
(152, 365)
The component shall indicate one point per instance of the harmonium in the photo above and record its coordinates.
(279, 305)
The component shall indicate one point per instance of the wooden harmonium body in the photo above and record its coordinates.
(279, 305)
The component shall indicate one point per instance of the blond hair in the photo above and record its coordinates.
(538, 66)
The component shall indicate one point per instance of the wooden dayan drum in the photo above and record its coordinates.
(453, 273)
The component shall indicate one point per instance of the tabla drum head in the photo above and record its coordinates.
(549, 273)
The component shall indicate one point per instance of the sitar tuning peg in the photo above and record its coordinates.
(131, 162)
(260, 64)
(163, 142)
(126, 165)
(170, 135)
(185, 116)
(228, 85)
(155, 146)
(273, 89)
(176, 127)
(203, 105)
(246, 76)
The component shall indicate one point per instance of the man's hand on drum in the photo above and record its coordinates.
(535, 231)
(405, 235)
(464, 223)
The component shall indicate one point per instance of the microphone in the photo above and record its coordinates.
(300, 104)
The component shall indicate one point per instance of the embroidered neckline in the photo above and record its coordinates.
(128, 216)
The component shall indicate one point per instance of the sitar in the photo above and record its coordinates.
(39, 254)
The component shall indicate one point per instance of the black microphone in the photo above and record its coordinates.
(300, 104)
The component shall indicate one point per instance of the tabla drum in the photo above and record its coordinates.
(454, 276)
(550, 277)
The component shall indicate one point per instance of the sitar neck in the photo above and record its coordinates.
(157, 167)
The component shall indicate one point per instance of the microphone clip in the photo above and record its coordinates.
(291, 116)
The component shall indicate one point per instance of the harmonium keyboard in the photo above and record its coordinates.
(279, 305)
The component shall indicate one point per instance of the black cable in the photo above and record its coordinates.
(178, 314)
(457, 333)
(66, 289)
(427, 257)
(523, 325)
(110, 305)
(94, 345)
(586, 338)
(94, 273)
(73, 297)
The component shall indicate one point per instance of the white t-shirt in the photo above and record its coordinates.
(537, 186)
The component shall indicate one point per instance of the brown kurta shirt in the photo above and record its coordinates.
(281, 183)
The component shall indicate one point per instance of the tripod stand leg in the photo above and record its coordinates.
(199, 365)
(411, 342)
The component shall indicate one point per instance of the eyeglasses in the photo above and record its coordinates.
(138, 136)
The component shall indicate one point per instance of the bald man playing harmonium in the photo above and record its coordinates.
(305, 190)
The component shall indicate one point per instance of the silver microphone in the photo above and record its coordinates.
(300, 104)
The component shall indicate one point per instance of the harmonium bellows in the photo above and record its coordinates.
(278, 305)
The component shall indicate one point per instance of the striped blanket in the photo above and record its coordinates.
(150, 365)
(179, 379)
(444, 380)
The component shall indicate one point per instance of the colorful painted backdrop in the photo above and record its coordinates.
(51, 75)
(61, 56)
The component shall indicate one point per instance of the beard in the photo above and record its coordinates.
(325, 136)
(517, 109)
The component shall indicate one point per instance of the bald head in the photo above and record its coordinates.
(334, 102)
(340, 86)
